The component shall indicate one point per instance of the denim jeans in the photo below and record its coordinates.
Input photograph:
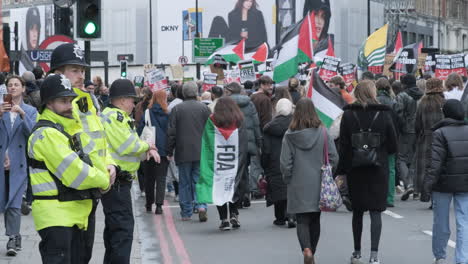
(441, 226)
(188, 177)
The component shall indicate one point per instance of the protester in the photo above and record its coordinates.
(252, 125)
(293, 86)
(262, 100)
(367, 179)
(249, 88)
(429, 113)
(454, 87)
(280, 93)
(186, 124)
(301, 164)
(447, 179)
(101, 90)
(32, 95)
(89, 86)
(176, 91)
(217, 92)
(397, 87)
(338, 83)
(17, 121)
(227, 118)
(206, 98)
(273, 134)
(367, 75)
(405, 108)
(155, 173)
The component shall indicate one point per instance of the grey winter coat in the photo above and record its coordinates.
(405, 109)
(251, 122)
(301, 162)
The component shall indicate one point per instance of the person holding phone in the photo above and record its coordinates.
(17, 121)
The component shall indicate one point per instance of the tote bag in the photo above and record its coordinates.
(149, 131)
(330, 198)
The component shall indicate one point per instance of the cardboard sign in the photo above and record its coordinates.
(458, 64)
(138, 81)
(348, 72)
(247, 72)
(209, 80)
(232, 76)
(329, 68)
(156, 79)
(177, 72)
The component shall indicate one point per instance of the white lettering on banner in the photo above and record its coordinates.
(170, 28)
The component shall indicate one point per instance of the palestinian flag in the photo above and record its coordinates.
(230, 53)
(328, 104)
(218, 164)
(261, 55)
(295, 48)
(372, 52)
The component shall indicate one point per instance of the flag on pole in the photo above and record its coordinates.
(372, 53)
(218, 164)
(261, 54)
(230, 53)
(328, 104)
(330, 50)
(398, 43)
(296, 47)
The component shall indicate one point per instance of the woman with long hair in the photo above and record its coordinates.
(454, 87)
(227, 118)
(367, 177)
(155, 173)
(17, 120)
(301, 161)
(246, 22)
(428, 113)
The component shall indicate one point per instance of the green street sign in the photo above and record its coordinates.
(204, 47)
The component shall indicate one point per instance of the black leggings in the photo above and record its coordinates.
(223, 210)
(376, 229)
(308, 230)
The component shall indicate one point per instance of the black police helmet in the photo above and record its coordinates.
(122, 88)
(55, 86)
(67, 54)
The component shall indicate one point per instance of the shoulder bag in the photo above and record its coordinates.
(330, 197)
(149, 131)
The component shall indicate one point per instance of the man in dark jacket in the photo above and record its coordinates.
(405, 109)
(252, 125)
(262, 100)
(186, 124)
(447, 179)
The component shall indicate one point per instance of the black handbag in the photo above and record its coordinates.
(365, 146)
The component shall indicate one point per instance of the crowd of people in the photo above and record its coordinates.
(67, 144)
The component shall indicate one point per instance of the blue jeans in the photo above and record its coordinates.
(188, 177)
(441, 226)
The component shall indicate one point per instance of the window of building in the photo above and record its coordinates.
(286, 16)
(464, 43)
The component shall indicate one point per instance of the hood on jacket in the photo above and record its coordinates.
(415, 93)
(306, 138)
(241, 100)
(278, 126)
(449, 122)
(157, 110)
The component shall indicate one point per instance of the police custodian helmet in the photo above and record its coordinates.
(122, 88)
(55, 86)
(67, 54)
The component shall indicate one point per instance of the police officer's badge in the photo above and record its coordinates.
(120, 117)
(79, 53)
(66, 83)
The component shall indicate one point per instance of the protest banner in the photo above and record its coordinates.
(156, 79)
(329, 68)
(348, 72)
(232, 76)
(458, 64)
(247, 71)
(209, 80)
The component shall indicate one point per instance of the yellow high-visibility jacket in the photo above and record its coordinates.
(125, 146)
(52, 147)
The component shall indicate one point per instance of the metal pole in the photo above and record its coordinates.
(16, 48)
(151, 30)
(106, 73)
(368, 18)
(438, 29)
(87, 44)
(197, 36)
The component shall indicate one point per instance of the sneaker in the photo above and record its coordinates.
(356, 260)
(440, 261)
(18, 243)
(279, 222)
(224, 225)
(158, 210)
(399, 189)
(202, 215)
(416, 196)
(246, 203)
(291, 223)
(176, 198)
(374, 261)
(347, 203)
(235, 222)
(407, 193)
(11, 247)
(148, 209)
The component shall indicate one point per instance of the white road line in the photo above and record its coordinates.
(450, 242)
(392, 214)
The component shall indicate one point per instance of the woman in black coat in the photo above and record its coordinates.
(273, 134)
(368, 185)
(246, 21)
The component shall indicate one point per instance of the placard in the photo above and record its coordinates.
(247, 71)
(329, 68)
(209, 80)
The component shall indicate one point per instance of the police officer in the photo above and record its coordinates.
(68, 59)
(63, 179)
(126, 149)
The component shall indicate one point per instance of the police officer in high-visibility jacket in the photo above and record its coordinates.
(63, 178)
(126, 149)
(68, 59)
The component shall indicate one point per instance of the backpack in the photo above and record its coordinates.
(365, 145)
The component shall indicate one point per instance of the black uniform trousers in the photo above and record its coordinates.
(119, 224)
(61, 245)
(88, 235)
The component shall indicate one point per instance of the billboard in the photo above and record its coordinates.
(258, 21)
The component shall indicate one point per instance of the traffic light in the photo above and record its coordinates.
(123, 69)
(88, 19)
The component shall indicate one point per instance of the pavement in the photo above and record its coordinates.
(166, 239)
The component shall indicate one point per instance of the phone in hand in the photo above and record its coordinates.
(8, 98)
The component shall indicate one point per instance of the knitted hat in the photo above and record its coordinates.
(284, 107)
(434, 85)
(453, 109)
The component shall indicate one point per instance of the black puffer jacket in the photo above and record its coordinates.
(251, 122)
(448, 171)
(405, 109)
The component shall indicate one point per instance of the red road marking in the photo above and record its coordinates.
(166, 254)
(178, 243)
